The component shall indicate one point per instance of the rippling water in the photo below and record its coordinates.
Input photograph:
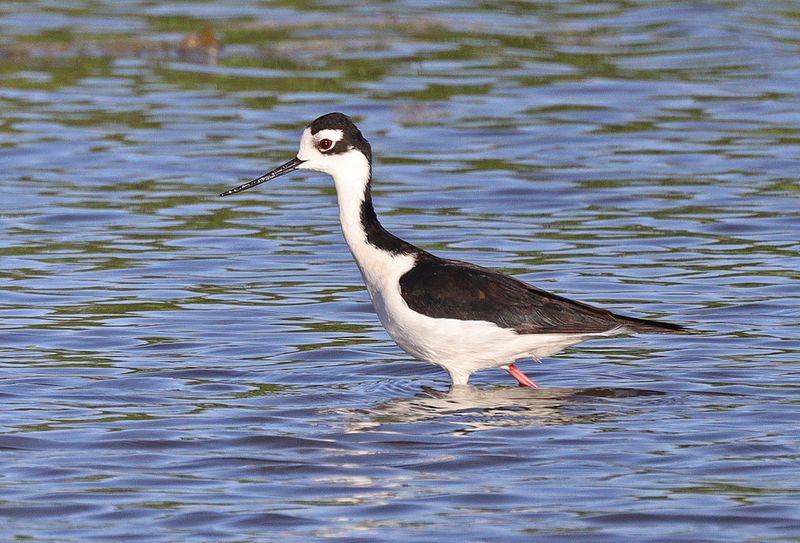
(192, 368)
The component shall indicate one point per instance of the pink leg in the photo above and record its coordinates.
(523, 379)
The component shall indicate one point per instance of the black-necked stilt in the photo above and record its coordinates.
(457, 315)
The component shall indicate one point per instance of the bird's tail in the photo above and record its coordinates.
(649, 326)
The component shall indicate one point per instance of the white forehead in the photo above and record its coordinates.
(308, 141)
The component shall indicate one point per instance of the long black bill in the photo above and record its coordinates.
(280, 170)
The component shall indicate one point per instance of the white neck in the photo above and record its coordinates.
(351, 178)
(374, 249)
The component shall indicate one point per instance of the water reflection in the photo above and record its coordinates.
(215, 363)
(471, 409)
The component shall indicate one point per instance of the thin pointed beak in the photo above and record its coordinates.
(277, 172)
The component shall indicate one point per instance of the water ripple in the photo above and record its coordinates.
(198, 369)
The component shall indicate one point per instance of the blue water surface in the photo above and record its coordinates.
(179, 367)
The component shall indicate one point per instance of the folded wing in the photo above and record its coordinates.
(452, 289)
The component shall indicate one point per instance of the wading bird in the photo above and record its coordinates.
(457, 315)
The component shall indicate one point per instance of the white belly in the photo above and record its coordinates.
(460, 347)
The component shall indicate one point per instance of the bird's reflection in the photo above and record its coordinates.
(472, 409)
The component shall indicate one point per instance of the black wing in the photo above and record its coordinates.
(458, 290)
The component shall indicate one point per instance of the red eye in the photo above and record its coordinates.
(325, 144)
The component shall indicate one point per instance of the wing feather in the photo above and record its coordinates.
(452, 289)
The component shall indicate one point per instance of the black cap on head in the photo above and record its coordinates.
(351, 135)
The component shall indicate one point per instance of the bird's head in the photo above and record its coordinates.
(331, 144)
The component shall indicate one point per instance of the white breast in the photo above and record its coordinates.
(460, 347)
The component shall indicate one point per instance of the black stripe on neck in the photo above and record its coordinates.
(377, 235)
